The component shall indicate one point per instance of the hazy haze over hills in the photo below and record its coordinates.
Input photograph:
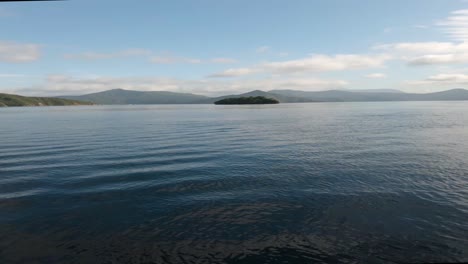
(120, 96)
(374, 90)
(348, 96)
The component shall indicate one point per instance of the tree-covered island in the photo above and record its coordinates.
(247, 100)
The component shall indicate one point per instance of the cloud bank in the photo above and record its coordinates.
(69, 85)
(311, 64)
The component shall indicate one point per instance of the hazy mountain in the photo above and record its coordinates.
(340, 95)
(347, 96)
(450, 95)
(375, 91)
(9, 100)
(120, 96)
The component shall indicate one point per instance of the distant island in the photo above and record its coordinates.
(247, 100)
(10, 100)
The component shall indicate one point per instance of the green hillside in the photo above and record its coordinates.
(10, 100)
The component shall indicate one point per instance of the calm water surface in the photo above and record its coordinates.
(291, 183)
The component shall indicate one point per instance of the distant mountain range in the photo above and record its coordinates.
(120, 96)
(10, 100)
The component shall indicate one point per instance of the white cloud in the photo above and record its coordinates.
(424, 47)
(322, 63)
(304, 84)
(439, 82)
(456, 25)
(444, 79)
(428, 53)
(452, 78)
(440, 59)
(13, 52)
(234, 73)
(376, 76)
(313, 63)
(174, 60)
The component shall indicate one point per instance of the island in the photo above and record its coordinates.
(247, 100)
(11, 100)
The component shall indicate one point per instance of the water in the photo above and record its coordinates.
(290, 183)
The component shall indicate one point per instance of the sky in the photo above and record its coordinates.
(216, 47)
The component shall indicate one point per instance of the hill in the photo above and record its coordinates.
(10, 100)
(347, 96)
(120, 96)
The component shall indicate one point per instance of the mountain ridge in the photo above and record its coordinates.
(121, 96)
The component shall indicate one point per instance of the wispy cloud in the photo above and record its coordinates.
(263, 49)
(234, 73)
(376, 76)
(428, 53)
(13, 52)
(11, 75)
(151, 56)
(174, 60)
(223, 60)
(452, 78)
(443, 79)
(312, 63)
(388, 30)
(456, 25)
(424, 47)
(323, 63)
(439, 59)
(267, 50)
(101, 56)
(433, 53)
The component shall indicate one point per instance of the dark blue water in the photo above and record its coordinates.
(291, 183)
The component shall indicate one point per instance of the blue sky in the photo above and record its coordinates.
(217, 47)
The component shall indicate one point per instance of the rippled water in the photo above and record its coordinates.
(291, 183)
